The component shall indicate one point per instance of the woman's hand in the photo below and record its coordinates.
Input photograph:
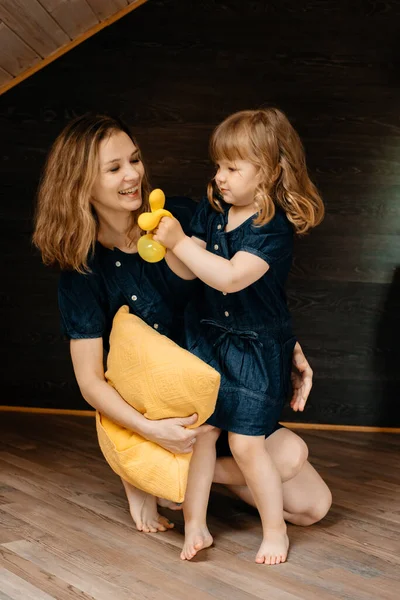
(173, 435)
(87, 359)
(302, 379)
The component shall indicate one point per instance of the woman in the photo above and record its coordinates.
(92, 191)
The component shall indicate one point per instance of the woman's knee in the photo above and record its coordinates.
(321, 506)
(298, 456)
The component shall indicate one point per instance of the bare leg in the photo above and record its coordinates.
(306, 497)
(143, 509)
(264, 482)
(169, 504)
(202, 464)
(288, 451)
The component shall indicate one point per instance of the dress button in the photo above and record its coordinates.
(155, 325)
(134, 298)
(224, 293)
(226, 313)
(117, 264)
(216, 247)
(219, 226)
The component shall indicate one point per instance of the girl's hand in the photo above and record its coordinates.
(302, 379)
(169, 232)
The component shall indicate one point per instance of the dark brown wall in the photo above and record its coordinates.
(174, 69)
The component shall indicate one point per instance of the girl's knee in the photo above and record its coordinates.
(214, 433)
(208, 436)
(245, 446)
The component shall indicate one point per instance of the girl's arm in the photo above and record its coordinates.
(87, 360)
(224, 275)
(178, 267)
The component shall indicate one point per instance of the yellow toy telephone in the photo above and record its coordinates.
(148, 249)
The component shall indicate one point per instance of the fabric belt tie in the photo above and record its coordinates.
(249, 335)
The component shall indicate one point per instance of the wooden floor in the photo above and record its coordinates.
(65, 532)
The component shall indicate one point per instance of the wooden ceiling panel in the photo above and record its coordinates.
(73, 16)
(15, 55)
(30, 21)
(4, 76)
(106, 8)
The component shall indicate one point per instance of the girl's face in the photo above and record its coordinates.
(118, 185)
(237, 181)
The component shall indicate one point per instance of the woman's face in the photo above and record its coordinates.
(118, 185)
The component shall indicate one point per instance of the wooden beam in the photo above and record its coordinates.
(70, 45)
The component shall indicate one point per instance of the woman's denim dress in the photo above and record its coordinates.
(88, 302)
(247, 335)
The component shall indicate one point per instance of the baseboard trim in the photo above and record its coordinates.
(289, 425)
(329, 427)
(48, 411)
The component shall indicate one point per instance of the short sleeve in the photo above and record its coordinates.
(183, 209)
(81, 307)
(272, 242)
(199, 223)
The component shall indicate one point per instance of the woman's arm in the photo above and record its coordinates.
(224, 275)
(87, 360)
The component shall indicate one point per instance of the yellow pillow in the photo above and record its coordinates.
(160, 379)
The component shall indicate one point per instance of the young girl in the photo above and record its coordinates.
(242, 249)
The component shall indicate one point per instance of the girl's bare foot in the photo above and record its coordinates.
(169, 504)
(196, 538)
(274, 547)
(143, 509)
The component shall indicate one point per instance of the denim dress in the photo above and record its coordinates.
(246, 335)
(88, 302)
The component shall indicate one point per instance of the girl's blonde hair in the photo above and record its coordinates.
(266, 139)
(66, 223)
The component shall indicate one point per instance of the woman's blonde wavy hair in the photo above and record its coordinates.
(66, 224)
(266, 139)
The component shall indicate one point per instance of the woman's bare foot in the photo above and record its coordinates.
(143, 509)
(196, 539)
(169, 504)
(274, 547)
